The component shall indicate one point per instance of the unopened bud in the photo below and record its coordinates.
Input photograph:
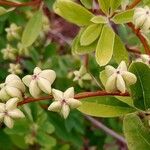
(9, 52)
(13, 32)
(15, 68)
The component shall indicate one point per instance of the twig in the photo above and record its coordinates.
(99, 84)
(141, 37)
(109, 131)
(132, 5)
(61, 37)
(137, 31)
(133, 50)
(13, 4)
(77, 96)
(86, 60)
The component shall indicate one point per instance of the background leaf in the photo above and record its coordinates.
(32, 29)
(45, 140)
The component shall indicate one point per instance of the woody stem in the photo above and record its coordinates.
(77, 96)
(133, 4)
(137, 31)
(13, 4)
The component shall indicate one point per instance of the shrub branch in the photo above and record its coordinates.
(77, 96)
(133, 4)
(137, 31)
(107, 130)
(13, 4)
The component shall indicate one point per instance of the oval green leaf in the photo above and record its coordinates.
(103, 77)
(99, 19)
(123, 17)
(104, 5)
(104, 49)
(87, 3)
(32, 29)
(73, 12)
(114, 4)
(120, 53)
(90, 34)
(4, 10)
(140, 91)
(137, 135)
(77, 48)
(104, 107)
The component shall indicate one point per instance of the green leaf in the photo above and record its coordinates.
(120, 53)
(5, 141)
(140, 91)
(73, 12)
(104, 5)
(50, 50)
(65, 147)
(62, 133)
(21, 127)
(48, 127)
(137, 135)
(90, 34)
(19, 141)
(4, 11)
(104, 107)
(104, 49)
(45, 140)
(146, 2)
(123, 17)
(87, 3)
(99, 19)
(34, 55)
(32, 29)
(77, 48)
(103, 77)
(127, 100)
(114, 4)
(29, 65)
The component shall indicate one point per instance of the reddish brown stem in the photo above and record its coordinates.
(13, 4)
(137, 31)
(77, 96)
(132, 5)
(133, 50)
(86, 60)
(141, 37)
(98, 93)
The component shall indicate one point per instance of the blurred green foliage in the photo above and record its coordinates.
(42, 130)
